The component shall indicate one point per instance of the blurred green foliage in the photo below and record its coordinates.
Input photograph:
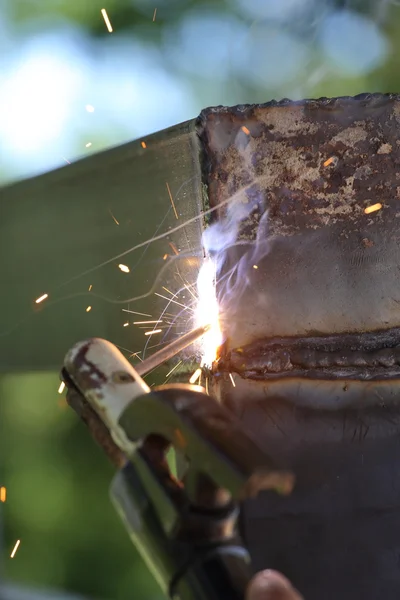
(57, 483)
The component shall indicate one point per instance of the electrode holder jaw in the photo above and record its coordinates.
(184, 528)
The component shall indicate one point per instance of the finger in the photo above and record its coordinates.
(271, 585)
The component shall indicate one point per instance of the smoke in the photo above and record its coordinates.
(233, 245)
(288, 39)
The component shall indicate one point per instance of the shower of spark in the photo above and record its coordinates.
(207, 312)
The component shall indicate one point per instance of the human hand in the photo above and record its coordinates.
(271, 585)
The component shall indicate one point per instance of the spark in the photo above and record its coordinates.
(143, 144)
(255, 266)
(169, 291)
(3, 493)
(153, 332)
(133, 312)
(245, 130)
(206, 385)
(106, 20)
(145, 322)
(115, 220)
(332, 160)
(155, 238)
(165, 256)
(61, 388)
(174, 301)
(136, 355)
(190, 291)
(88, 308)
(207, 311)
(173, 247)
(124, 268)
(187, 286)
(90, 288)
(373, 208)
(154, 14)
(88, 144)
(15, 548)
(173, 368)
(126, 324)
(89, 108)
(231, 378)
(41, 298)
(172, 200)
(196, 375)
(66, 160)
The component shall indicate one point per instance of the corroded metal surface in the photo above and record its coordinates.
(312, 333)
(323, 267)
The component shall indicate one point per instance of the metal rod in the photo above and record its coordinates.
(158, 358)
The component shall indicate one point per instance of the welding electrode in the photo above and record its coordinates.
(160, 357)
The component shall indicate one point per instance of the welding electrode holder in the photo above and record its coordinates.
(185, 529)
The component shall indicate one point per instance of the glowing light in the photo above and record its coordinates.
(178, 303)
(88, 144)
(88, 308)
(145, 322)
(126, 324)
(90, 287)
(41, 298)
(245, 130)
(89, 108)
(165, 256)
(172, 200)
(124, 268)
(106, 20)
(61, 388)
(333, 160)
(3, 493)
(195, 376)
(373, 208)
(207, 311)
(153, 332)
(255, 267)
(174, 248)
(143, 144)
(231, 378)
(15, 548)
(173, 368)
(154, 14)
(114, 219)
